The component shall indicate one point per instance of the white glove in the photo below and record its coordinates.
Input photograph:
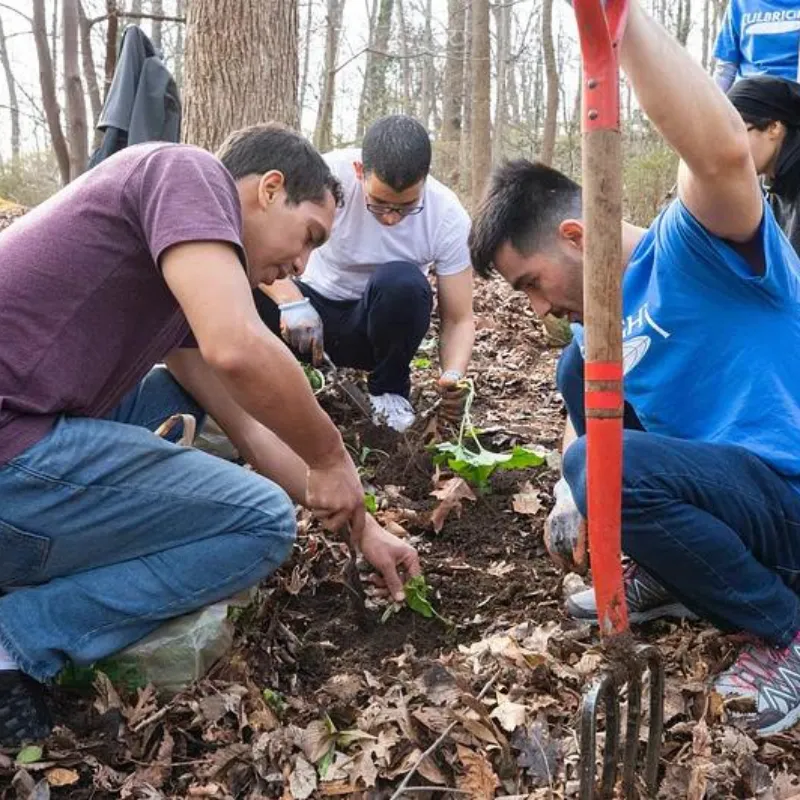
(301, 328)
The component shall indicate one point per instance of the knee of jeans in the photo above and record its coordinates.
(275, 525)
(639, 457)
(574, 469)
(402, 281)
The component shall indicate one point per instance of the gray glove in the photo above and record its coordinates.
(565, 531)
(301, 328)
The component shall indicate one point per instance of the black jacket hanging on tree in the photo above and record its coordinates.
(143, 104)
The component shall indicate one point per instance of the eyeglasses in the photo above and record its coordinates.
(380, 210)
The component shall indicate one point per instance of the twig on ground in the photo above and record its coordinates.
(410, 789)
(403, 787)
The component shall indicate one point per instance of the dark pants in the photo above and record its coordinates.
(381, 332)
(712, 522)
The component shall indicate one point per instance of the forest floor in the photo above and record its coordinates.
(314, 700)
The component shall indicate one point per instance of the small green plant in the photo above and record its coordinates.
(476, 464)
(315, 378)
(421, 362)
(275, 701)
(418, 593)
(370, 502)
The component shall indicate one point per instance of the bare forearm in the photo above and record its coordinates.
(455, 344)
(677, 95)
(283, 291)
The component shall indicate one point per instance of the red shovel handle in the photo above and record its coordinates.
(600, 26)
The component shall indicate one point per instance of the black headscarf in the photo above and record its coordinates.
(762, 97)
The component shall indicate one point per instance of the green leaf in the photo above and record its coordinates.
(275, 701)
(29, 755)
(370, 503)
(325, 762)
(522, 457)
(416, 591)
(421, 363)
(314, 376)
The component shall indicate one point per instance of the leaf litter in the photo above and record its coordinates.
(307, 704)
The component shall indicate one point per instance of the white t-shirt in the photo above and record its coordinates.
(436, 237)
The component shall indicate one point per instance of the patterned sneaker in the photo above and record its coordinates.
(647, 599)
(392, 410)
(770, 677)
(23, 713)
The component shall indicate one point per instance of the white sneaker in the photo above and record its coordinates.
(392, 410)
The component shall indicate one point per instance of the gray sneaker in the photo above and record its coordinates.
(647, 599)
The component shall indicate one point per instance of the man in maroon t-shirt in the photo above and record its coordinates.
(105, 529)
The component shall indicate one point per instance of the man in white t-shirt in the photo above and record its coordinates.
(364, 298)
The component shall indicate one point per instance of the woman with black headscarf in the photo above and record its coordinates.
(770, 108)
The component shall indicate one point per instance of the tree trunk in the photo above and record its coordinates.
(428, 93)
(465, 150)
(231, 47)
(481, 99)
(89, 72)
(76, 103)
(551, 73)
(301, 104)
(12, 98)
(323, 133)
(47, 81)
(503, 50)
(373, 98)
(111, 44)
(157, 7)
(179, 47)
(136, 10)
(453, 94)
(405, 61)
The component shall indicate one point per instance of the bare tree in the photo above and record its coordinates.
(47, 81)
(481, 98)
(301, 103)
(428, 88)
(179, 48)
(551, 73)
(231, 47)
(373, 95)
(112, 14)
(502, 12)
(13, 106)
(323, 132)
(87, 60)
(453, 93)
(76, 103)
(135, 12)
(465, 150)
(405, 60)
(157, 8)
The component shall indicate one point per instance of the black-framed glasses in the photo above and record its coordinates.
(381, 210)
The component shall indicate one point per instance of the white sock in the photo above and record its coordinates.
(6, 661)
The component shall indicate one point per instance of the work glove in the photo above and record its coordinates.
(565, 531)
(453, 391)
(301, 328)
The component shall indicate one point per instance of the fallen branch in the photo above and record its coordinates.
(403, 787)
(410, 789)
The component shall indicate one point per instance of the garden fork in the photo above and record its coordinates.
(600, 27)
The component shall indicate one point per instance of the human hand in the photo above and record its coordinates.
(334, 493)
(454, 392)
(301, 328)
(565, 531)
(396, 560)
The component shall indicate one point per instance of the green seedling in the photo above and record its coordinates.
(418, 593)
(315, 378)
(475, 464)
(275, 701)
(421, 362)
(371, 503)
(29, 755)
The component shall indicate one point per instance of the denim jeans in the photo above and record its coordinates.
(380, 332)
(712, 522)
(107, 530)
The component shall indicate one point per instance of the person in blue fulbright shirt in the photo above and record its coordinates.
(758, 37)
(711, 318)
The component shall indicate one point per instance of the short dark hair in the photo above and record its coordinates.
(271, 145)
(397, 150)
(523, 204)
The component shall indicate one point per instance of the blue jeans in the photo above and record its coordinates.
(381, 332)
(109, 530)
(712, 522)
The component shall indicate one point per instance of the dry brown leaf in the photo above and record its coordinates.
(344, 687)
(317, 740)
(364, 769)
(478, 730)
(158, 770)
(428, 770)
(107, 697)
(527, 501)
(509, 715)
(337, 789)
(478, 778)
(58, 776)
(451, 493)
(303, 780)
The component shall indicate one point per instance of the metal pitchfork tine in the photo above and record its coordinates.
(600, 27)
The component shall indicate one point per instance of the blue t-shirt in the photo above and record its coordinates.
(762, 37)
(712, 352)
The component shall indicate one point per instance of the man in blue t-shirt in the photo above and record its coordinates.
(758, 37)
(711, 308)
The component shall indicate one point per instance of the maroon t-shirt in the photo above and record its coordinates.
(84, 309)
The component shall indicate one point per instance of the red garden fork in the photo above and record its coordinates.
(600, 26)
